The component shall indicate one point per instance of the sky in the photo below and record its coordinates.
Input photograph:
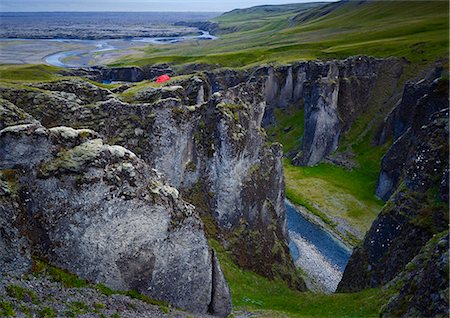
(135, 5)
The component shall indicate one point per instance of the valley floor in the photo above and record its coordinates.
(339, 200)
(260, 297)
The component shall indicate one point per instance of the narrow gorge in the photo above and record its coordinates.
(130, 186)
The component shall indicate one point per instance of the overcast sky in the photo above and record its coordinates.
(135, 5)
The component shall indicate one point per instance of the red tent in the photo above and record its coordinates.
(163, 78)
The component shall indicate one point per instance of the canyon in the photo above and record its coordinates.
(148, 167)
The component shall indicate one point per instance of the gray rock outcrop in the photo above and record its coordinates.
(208, 144)
(428, 269)
(419, 101)
(101, 213)
(332, 93)
(416, 212)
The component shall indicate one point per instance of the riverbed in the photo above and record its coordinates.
(81, 53)
(320, 256)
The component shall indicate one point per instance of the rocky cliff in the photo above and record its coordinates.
(122, 74)
(333, 94)
(103, 214)
(415, 171)
(206, 143)
(419, 101)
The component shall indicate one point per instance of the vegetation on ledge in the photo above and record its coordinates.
(252, 292)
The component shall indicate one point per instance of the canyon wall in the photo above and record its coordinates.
(333, 94)
(100, 212)
(208, 146)
(414, 179)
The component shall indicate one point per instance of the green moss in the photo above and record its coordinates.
(191, 166)
(47, 312)
(199, 197)
(73, 159)
(289, 128)
(21, 293)
(58, 275)
(231, 110)
(26, 311)
(164, 306)
(98, 306)
(72, 281)
(78, 307)
(8, 182)
(7, 309)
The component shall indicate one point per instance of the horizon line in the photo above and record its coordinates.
(95, 11)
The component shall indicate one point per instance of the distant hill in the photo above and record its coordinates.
(254, 17)
(416, 30)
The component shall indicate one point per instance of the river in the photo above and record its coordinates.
(82, 53)
(320, 256)
(58, 59)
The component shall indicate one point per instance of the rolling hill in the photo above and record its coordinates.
(417, 30)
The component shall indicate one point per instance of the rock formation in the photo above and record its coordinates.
(416, 167)
(333, 95)
(419, 101)
(103, 214)
(207, 143)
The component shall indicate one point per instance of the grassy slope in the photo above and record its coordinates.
(252, 292)
(327, 190)
(28, 73)
(417, 30)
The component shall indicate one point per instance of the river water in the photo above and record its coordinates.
(97, 46)
(321, 256)
(82, 53)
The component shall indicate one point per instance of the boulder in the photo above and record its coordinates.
(100, 212)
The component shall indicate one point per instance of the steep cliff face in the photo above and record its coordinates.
(419, 101)
(418, 209)
(103, 214)
(124, 74)
(207, 142)
(332, 93)
(413, 296)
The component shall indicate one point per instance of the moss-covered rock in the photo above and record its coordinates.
(100, 212)
(414, 214)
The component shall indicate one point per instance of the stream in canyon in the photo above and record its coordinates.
(320, 256)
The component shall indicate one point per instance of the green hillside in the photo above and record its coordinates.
(417, 30)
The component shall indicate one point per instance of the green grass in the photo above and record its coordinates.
(28, 73)
(70, 280)
(417, 30)
(289, 128)
(47, 312)
(252, 292)
(334, 191)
